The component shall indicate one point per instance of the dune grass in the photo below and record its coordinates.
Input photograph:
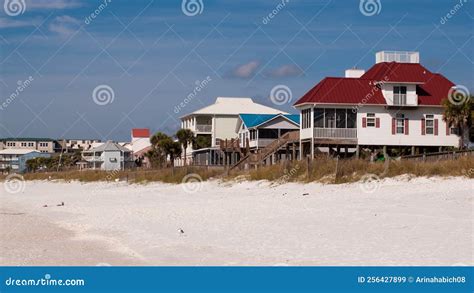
(166, 175)
(323, 169)
(329, 170)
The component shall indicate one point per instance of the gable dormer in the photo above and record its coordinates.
(398, 74)
(400, 94)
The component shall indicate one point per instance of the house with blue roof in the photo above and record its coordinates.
(256, 131)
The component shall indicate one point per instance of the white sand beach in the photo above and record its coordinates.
(423, 221)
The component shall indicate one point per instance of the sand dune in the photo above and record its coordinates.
(424, 221)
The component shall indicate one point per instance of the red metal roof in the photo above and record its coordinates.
(432, 88)
(398, 72)
(340, 90)
(140, 132)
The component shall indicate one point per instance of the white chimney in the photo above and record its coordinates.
(397, 56)
(354, 73)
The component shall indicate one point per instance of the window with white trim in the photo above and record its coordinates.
(429, 124)
(399, 95)
(400, 124)
(370, 119)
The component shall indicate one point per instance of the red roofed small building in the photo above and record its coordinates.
(140, 133)
(140, 143)
(395, 104)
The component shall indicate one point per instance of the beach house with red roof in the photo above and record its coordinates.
(396, 104)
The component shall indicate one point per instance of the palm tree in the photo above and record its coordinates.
(185, 137)
(458, 115)
(202, 141)
(157, 155)
(171, 149)
(156, 138)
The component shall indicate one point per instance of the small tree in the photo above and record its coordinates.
(157, 155)
(458, 115)
(185, 137)
(202, 141)
(171, 149)
(32, 165)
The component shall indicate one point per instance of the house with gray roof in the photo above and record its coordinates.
(109, 156)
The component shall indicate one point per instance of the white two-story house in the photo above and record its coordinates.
(218, 122)
(395, 104)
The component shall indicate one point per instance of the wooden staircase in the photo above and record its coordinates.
(274, 146)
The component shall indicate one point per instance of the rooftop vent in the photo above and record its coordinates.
(354, 73)
(397, 56)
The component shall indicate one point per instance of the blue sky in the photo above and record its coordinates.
(151, 54)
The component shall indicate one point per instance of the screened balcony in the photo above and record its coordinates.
(335, 123)
(203, 124)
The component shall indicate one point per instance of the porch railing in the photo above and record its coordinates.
(335, 132)
(400, 99)
(203, 127)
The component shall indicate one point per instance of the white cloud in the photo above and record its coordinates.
(52, 4)
(64, 25)
(246, 70)
(14, 23)
(285, 71)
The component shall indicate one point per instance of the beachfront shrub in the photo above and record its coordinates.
(322, 169)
